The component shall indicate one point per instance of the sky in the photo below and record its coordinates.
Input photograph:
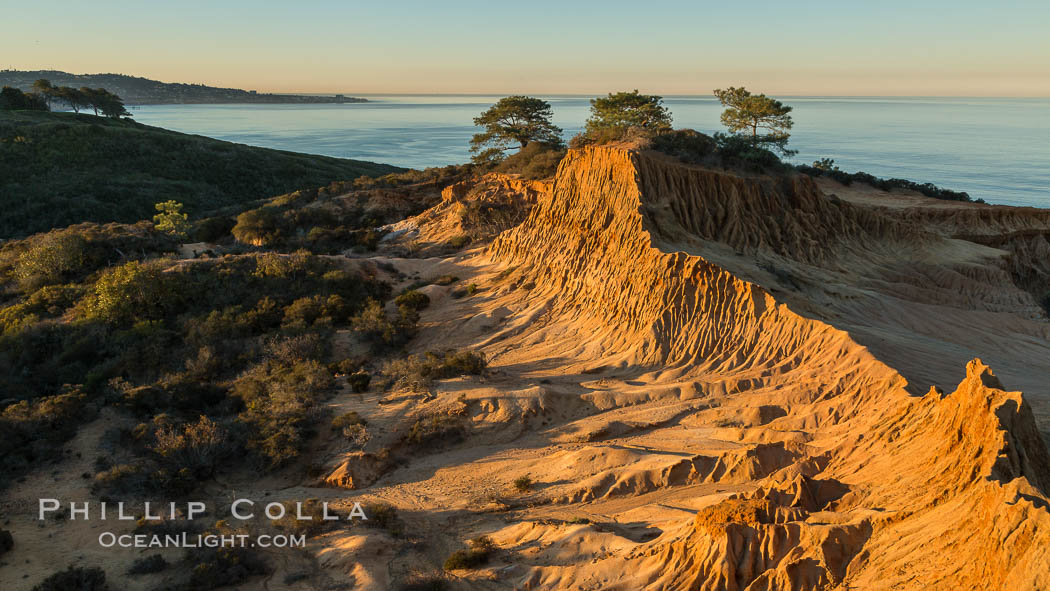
(845, 47)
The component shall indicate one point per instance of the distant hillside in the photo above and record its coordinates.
(143, 91)
(58, 169)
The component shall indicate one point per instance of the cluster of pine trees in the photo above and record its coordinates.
(44, 95)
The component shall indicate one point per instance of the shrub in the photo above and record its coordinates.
(536, 161)
(347, 419)
(825, 164)
(291, 350)
(219, 567)
(213, 229)
(314, 310)
(446, 280)
(523, 484)
(206, 365)
(687, 145)
(409, 373)
(739, 151)
(359, 381)
(53, 258)
(381, 516)
(279, 400)
(75, 578)
(153, 563)
(199, 447)
(130, 292)
(373, 325)
(122, 478)
(258, 227)
(7, 541)
(413, 299)
(418, 372)
(356, 435)
(34, 431)
(434, 431)
(457, 363)
(459, 241)
(481, 549)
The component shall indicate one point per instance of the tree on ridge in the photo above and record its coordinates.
(520, 119)
(624, 110)
(747, 112)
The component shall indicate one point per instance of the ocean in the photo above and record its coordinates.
(994, 149)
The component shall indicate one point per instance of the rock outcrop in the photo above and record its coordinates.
(916, 492)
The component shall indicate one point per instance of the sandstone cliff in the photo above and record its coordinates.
(884, 489)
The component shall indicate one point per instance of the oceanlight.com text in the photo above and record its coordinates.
(184, 540)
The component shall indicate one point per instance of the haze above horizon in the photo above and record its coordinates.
(937, 48)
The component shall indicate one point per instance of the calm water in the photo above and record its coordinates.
(996, 149)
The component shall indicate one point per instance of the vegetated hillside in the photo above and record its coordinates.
(143, 91)
(58, 169)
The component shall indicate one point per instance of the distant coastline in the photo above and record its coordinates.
(143, 91)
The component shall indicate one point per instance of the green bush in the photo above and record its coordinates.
(446, 280)
(480, 550)
(687, 145)
(279, 400)
(536, 161)
(373, 324)
(523, 484)
(413, 299)
(738, 151)
(316, 310)
(418, 372)
(53, 258)
(259, 227)
(457, 363)
(132, 291)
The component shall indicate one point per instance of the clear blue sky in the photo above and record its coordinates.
(916, 47)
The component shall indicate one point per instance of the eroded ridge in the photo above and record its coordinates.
(874, 489)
